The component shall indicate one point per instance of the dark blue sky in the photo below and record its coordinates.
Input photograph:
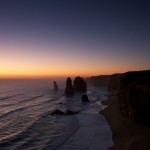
(116, 27)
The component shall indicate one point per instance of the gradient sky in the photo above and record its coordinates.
(73, 37)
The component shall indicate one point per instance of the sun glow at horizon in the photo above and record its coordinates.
(36, 60)
(21, 61)
(49, 39)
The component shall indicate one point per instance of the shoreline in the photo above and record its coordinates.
(126, 133)
(89, 135)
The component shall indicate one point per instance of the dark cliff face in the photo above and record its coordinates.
(111, 81)
(134, 93)
(114, 81)
(102, 80)
(69, 91)
(134, 96)
(80, 85)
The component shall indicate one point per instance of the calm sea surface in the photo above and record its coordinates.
(25, 113)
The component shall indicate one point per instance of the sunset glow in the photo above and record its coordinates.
(31, 61)
(40, 44)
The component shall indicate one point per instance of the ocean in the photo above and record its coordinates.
(26, 122)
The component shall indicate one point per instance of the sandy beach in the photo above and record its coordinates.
(127, 134)
(93, 134)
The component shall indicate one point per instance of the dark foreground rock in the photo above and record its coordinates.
(134, 96)
(68, 112)
(57, 112)
(80, 85)
(69, 90)
(85, 98)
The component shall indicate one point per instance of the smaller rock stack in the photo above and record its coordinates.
(55, 86)
(85, 98)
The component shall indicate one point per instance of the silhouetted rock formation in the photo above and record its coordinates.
(80, 85)
(68, 112)
(57, 112)
(55, 86)
(69, 91)
(85, 98)
(134, 96)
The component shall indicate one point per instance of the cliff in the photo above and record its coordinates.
(112, 81)
(102, 80)
(134, 96)
(133, 92)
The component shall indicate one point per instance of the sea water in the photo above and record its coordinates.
(26, 122)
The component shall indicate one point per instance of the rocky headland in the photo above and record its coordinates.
(102, 80)
(111, 81)
(134, 96)
(128, 108)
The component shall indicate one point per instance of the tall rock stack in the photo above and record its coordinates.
(55, 86)
(80, 85)
(69, 91)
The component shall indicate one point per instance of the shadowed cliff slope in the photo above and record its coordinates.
(134, 96)
(133, 90)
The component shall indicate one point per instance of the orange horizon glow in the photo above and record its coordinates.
(7, 76)
(68, 39)
(22, 60)
(38, 76)
(32, 72)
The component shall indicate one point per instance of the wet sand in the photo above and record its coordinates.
(127, 134)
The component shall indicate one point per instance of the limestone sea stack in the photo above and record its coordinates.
(55, 86)
(69, 90)
(80, 85)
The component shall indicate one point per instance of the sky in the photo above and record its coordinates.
(49, 38)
